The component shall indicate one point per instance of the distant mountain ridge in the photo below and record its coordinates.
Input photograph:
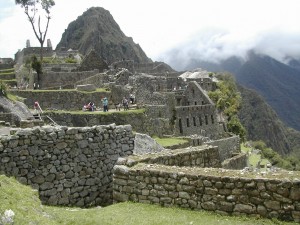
(97, 30)
(277, 83)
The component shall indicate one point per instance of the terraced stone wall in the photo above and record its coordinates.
(228, 192)
(68, 166)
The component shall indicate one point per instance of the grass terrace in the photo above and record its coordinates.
(169, 142)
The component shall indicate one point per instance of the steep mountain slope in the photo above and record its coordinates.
(277, 83)
(262, 123)
(96, 29)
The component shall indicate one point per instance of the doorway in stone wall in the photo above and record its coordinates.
(180, 126)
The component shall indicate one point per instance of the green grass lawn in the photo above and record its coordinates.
(70, 90)
(167, 142)
(27, 207)
(80, 112)
(10, 70)
(253, 157)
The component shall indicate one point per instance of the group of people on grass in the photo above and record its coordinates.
(125, 103)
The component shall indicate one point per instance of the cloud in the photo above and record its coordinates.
(217, 44)
(210, 29)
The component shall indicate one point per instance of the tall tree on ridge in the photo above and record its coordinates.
(31, 10)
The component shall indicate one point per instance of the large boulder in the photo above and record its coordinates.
(144, 144)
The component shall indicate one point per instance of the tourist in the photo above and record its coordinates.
(131, 98)
(105, 104)
(118, 106)
(125, 103)
(91, 106)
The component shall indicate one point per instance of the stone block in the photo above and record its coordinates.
(295, 193)
(86, 87)
(243, 208)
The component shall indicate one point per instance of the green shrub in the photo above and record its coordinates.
(289, 163)
(70, 60)
(3, 88)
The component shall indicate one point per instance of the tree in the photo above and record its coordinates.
(37, 66)
(31, 10)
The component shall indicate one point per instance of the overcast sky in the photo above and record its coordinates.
(211, 29)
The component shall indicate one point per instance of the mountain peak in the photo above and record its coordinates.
(96, 29)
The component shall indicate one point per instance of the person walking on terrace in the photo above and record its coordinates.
(105, 104)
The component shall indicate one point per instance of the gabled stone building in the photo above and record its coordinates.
(195, 112)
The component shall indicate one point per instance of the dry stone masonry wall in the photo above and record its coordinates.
(68, 166)
(60, 99)
(224, 191)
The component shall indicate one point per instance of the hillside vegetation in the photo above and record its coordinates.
(246, 110)
(228, 102)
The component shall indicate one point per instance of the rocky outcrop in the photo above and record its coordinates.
(93, 61)
(96, 29)
(18, 111)
(143, 143)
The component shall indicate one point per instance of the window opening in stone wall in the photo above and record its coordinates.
(206, 120)
(195, 103)
(212, 119)
(180, 126)
(202, 102)
(193, 92)
(194, 120)
(187, 122)
(200, 120)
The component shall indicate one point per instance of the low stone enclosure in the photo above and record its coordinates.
(177, 179)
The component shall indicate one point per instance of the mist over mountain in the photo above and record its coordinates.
(215, 45)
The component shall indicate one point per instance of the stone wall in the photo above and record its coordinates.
(198, 119)
(62, 67)
(153, 68)
(228, 147)
(61, 99)
(99, 80)
(201, 156)
(10, 118)
(60, 79)
(237, 162)
(68, 166)
(223, 191)
(136, 120)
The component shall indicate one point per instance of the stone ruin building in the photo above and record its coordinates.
(88, 164)
(176, 102)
